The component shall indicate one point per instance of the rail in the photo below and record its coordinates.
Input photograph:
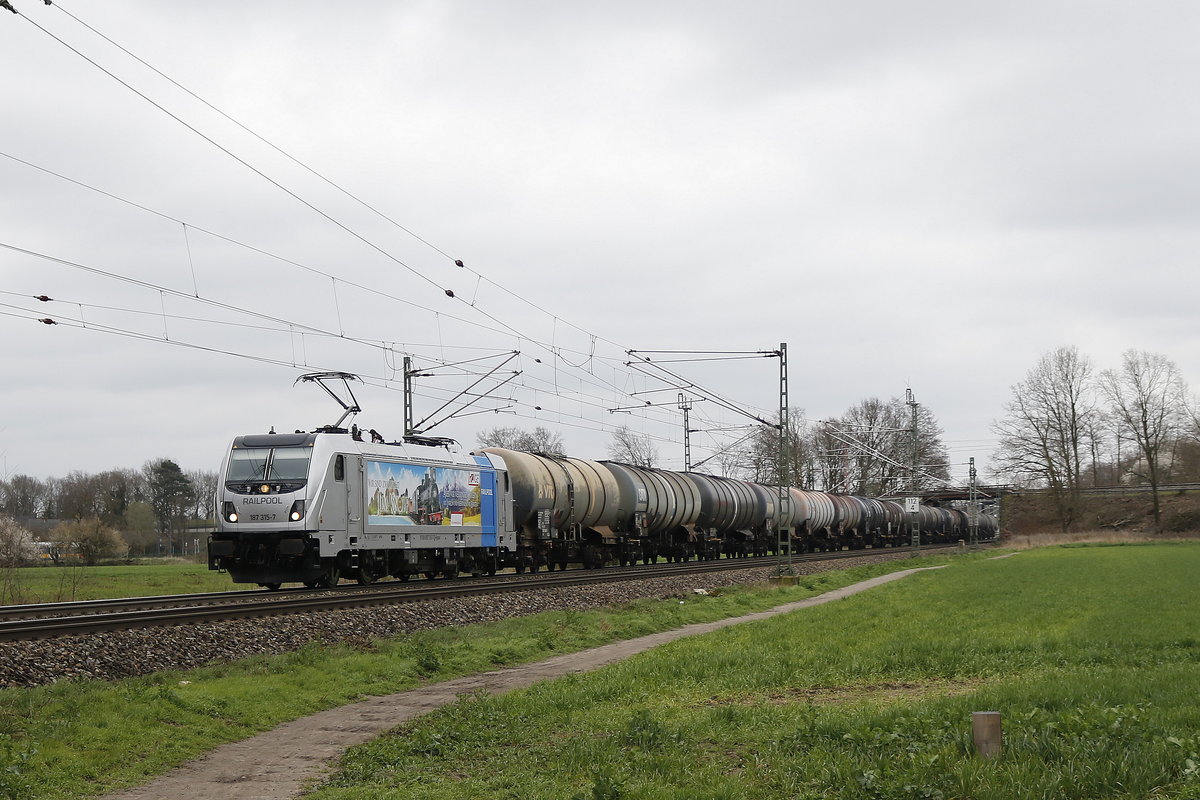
(30, 622)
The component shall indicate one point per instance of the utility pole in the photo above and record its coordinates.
(686, 406)
(914, 500)
(785, 539)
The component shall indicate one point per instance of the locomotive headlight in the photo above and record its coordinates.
(297, 512)
(265, 488)
(229, 512)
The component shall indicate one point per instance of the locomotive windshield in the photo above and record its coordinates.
(289, 464)
(269, 464)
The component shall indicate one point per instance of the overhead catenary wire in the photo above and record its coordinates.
(448, 292)
(596, 402)
(549, 347)
(160, 289)
(586, 365)
(555, 350)
(307, 167)
(417, 273)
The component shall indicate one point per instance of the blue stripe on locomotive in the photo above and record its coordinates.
(487, 507)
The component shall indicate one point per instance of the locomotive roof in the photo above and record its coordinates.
(275, 440)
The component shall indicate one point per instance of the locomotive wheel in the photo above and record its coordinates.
(430, 575)
(521, 568)
(364, 577)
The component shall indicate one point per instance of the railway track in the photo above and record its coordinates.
(63, 619)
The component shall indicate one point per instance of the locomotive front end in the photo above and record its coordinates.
(263, 504)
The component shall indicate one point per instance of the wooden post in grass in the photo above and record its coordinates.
(985, 731)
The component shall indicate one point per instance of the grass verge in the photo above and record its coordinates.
(81, 739)
(1090, 654)
(56, 584)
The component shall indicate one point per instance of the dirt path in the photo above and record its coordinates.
(279, 763)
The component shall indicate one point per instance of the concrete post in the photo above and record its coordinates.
(986, 733)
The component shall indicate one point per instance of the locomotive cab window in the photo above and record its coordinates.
(268, 464)
(249, 464)
(339, 468)
(290, 463)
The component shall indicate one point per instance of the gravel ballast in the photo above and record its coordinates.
(113, 655)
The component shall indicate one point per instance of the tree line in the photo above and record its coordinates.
(107, 514)
(1068, 426)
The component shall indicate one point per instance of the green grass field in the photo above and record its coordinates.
(80, 739)
(52, 584)
(1089, 652)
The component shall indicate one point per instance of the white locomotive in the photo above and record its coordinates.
(316, 507)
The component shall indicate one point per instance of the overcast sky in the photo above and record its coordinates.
(926, 195)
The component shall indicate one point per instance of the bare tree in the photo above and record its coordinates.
(632, 448)
(1048, 427)
(91, 538)
(878, 436)
(204, 497)
(869, 449)
(75, 496)
(831, 457)
(540, 440)
(139, 526)
(1147, 396)
(16, 548)
(797, 452)
(755, 456)
(24, 496)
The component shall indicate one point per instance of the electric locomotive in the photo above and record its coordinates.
(318, 507)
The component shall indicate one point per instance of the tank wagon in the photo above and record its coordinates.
(317, 507)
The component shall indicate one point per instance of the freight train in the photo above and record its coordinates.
(317, 507)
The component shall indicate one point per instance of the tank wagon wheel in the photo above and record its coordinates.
(404, 576)
(272, 587)
(430, 575)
